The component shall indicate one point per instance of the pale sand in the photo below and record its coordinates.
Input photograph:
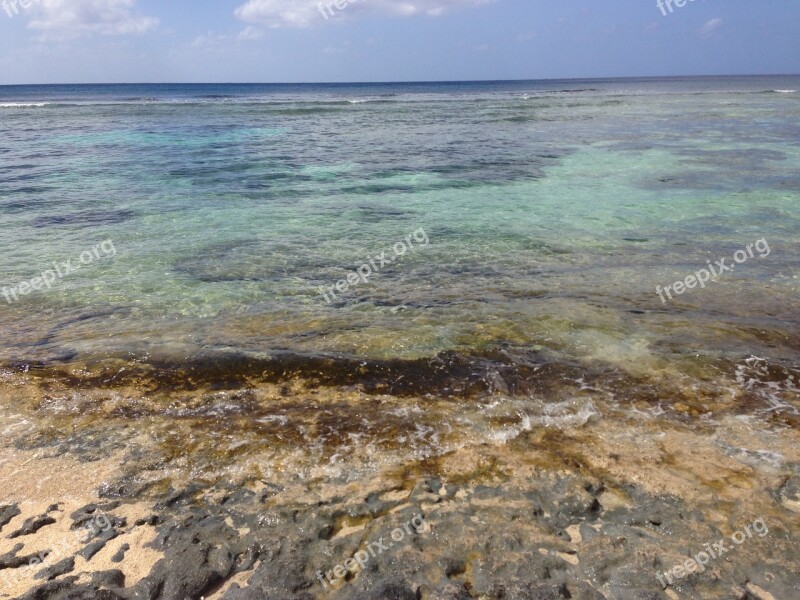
(36, 483)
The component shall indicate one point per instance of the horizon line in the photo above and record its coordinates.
(409, 82)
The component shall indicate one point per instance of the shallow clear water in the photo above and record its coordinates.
(551, 211)
(515, 375)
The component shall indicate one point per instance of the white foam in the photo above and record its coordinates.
(567, 414)
(506, 434)
(280, 419)
(750, 376)
(560, 415)
(785, 91)
(23, 104)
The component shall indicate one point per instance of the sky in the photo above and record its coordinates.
(119, 41)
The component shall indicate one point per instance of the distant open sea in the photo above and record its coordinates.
(553, 210)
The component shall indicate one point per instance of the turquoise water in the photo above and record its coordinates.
(553, 211)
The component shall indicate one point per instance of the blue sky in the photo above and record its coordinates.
(87, 41)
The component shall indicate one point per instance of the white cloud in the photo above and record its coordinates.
(212, 39)
(209, 39)
(72, 18)
(303, 13)
(710, 27)
(250, 33)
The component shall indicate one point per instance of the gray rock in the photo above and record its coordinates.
(66, 565)
(8, 512)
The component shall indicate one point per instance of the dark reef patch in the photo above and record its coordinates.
(447, 374)
(85, 218)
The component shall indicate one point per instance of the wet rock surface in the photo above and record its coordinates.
(304, 494)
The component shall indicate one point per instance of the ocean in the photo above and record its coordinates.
(325, 282)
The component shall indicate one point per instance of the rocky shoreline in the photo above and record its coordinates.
(598, 506)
